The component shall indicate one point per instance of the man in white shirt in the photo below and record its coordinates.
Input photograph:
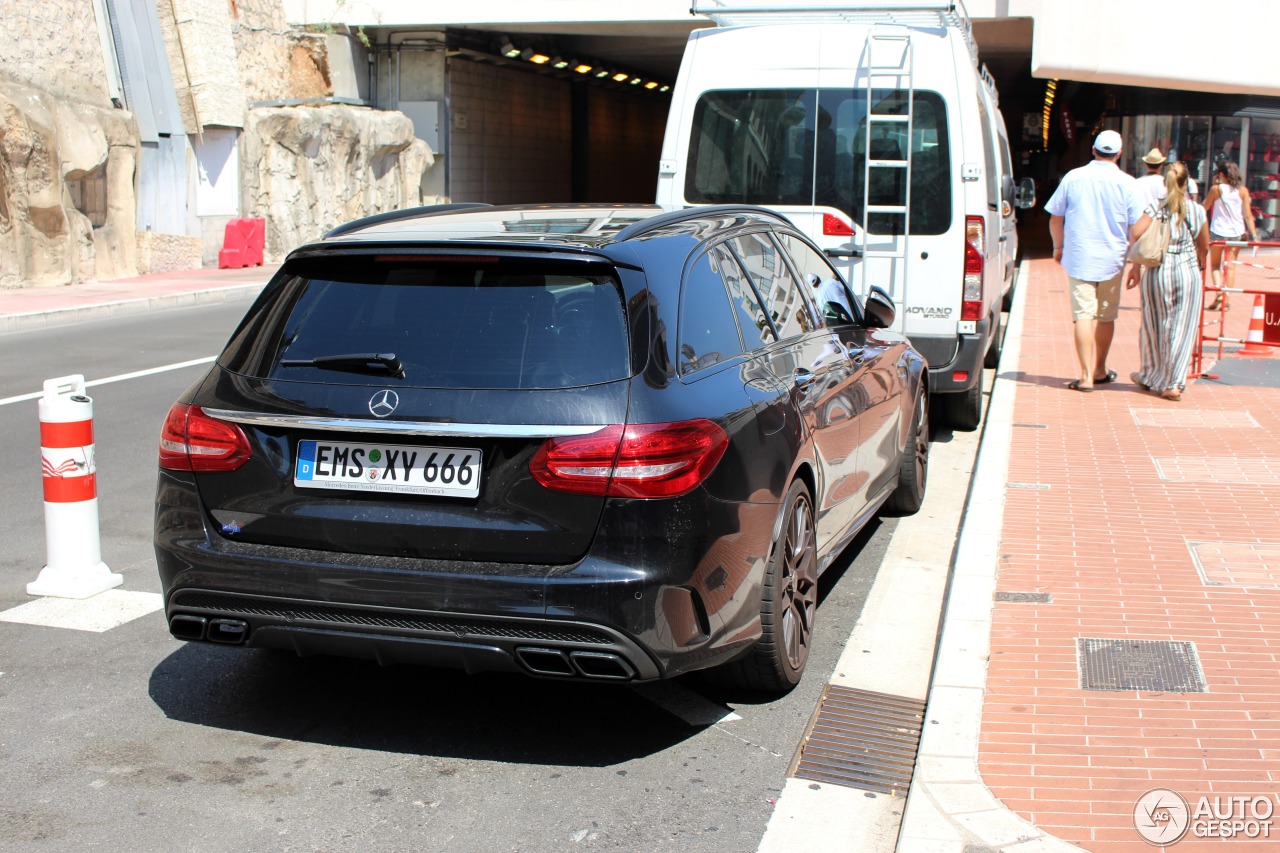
(1089, 218)
(1151, 185)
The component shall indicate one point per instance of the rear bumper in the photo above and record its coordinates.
(960, 354)
(634, 609)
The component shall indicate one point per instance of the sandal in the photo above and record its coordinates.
(1110, 377)
(1136, 378)
(1172, 394)
(1075, 385)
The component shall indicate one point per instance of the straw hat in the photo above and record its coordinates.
(1154, 157)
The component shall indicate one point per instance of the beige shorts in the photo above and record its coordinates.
(1096, 300)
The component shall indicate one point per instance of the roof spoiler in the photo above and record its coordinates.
(407, 213)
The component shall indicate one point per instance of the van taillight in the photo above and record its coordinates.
(834, 226)
(191, 440)
(638, 461)
(975, 231)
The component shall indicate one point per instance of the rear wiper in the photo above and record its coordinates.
(355, 362)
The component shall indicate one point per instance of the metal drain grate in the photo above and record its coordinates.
(1154, 666)
(861, 739)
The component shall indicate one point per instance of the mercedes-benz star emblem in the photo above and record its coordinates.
(383, 403)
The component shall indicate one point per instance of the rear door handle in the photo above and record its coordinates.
(803, 377)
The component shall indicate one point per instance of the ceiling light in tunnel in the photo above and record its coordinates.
(583, 68)
(664, 89)
(510, 51)
(636, 81)
(533, 56)
(620, 76)
(651, 85)
(602, 73)
(561, 62)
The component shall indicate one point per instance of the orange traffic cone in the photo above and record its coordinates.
(1253, 344)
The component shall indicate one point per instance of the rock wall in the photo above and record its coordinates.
(48, 144)
(277, 62)
(309, 169)
(54, 45)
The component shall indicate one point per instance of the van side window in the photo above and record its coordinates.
(808, 147)
(991, 163)
(708, 334)
(786, 305)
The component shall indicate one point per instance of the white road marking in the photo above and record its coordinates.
(137, 374)
(99, 613)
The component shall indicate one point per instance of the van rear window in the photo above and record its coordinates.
(808, 147)
(459, 324)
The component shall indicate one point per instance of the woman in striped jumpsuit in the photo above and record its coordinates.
(1171, 292)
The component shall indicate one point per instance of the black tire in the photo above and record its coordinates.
(789, 603)
(913, 465)
(964, 410)
(992, 358)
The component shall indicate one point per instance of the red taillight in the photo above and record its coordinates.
(834, 226)
(190, 440)
(639, 461)
(975, 231)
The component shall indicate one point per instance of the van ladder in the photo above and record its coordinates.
(888, 58)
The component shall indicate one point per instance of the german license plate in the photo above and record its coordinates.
(446, 471)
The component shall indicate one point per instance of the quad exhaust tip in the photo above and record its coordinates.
(593, 665)
(230, 632)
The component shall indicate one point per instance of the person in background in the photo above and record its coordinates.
(1230, 217)
(1151, 185)
(1171, 292)
(1089, 218)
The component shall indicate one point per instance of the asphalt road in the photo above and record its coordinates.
(129, 739)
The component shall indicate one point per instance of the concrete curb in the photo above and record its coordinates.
(949, 808)
(121, 307)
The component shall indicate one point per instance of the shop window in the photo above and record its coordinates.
(1262, 176)
(89, 194)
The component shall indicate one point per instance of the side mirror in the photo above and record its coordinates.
(1026, 195)
(879, 308)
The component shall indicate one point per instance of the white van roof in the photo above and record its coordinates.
(948, 14)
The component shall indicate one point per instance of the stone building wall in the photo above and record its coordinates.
(308, 169)
(53, 45)
(277, 62)
(50, 147)
(202, 60)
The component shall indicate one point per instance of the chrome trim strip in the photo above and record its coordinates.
(369, 425)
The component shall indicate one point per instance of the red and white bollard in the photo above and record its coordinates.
(74, 550)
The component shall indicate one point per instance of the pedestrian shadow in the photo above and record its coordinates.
(411, 710)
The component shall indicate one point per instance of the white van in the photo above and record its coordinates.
(872, 128)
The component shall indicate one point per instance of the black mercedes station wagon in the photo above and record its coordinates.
(611, 444)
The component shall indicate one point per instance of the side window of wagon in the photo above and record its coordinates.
(752, 322)
(785, 304)
(708, 334)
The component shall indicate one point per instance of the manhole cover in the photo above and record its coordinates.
(1241, 564)
(1225, 470)
(1153, 666)
(861, 739)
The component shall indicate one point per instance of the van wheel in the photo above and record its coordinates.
(992, 358)
(964, 410)
(913, 465)
(788, 606)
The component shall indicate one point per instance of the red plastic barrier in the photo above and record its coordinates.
(242, 243)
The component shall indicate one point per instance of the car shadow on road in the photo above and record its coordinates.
(411, 710)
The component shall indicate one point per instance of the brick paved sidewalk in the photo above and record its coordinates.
(1144, 520)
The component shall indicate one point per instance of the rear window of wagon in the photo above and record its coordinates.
(470, 323)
